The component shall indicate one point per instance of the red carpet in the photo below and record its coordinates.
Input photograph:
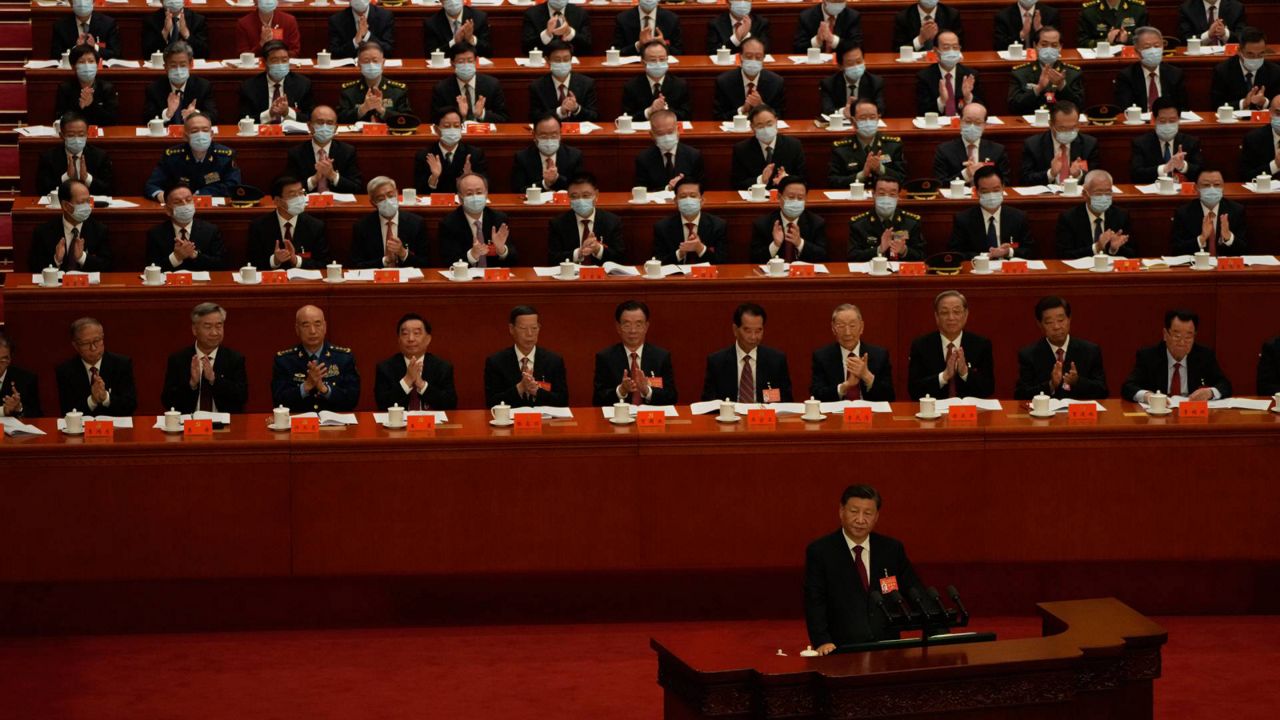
(1214, 668)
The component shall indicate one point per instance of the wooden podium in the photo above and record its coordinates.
(1096, 659)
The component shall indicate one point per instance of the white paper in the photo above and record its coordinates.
(660, 196)
(342, 197)
(865, 267)
(329, 419)
(1084, 263)
(1059, 406)
(613, 268)
(667, 410)
(121, 423)
(817, 267)
(586, 128)
(301, 62)
(300, 274)
(551, 271)
(366, 275)
(215, 64)
(393, 62)
(1262, 260)
(781, 408)
(982, 404)
(38, 131)
(41, 64)
(1034, 190)
(440, 416)
(293, 127)
(117, 62)
(823, 58)
(703, 407)
(1031, 120)
(196, 276)
(524, 61)
(547, 412)
(839, 406)
(474, 273)
(943, 121)
(344, 62)
(688, 268)
(1239, 403)
(1253, 188)
(996, 265)
(15, 426)
(1176, 260)
(915, 57)
(1092, 54)
(95, 278)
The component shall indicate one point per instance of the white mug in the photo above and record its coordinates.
(64, 62)
(612, 56)
(1040, 404)
(567, 270)
(1102, 49)
(501, 412)
(324, 59)
(395, 415)
(959, 189)
(280, 417)
(1016, 51)
(1167, 185)
(740, 123)
(173, 420)
(653, 268)
(907, 53)
(814, 55)
(1101, 262)
(155, 126)
(157, 59)
(777, 267)
(623, 123)
(246, 126)
(437, 58)
(49, 276)
(1071, 186)
(75, 422)
(249, 274)
(1133, 114)
(621, 412)
(1226, 113)
(153, 275)
(879, 265)
(409, 196)
(639, 194)
(1158, 401)
(535, 57)
(812, 407)
(759, 193)
(1276, 399)
(727, 411)
(333, 271)
(857, 191)
(981, 264)
(1041, 117)
(1263, 183)
(533, 194)
(1201, 259)
(928, 406)
(931, 119)
(461, 271)
(723, 56)
(835, 121)
(1193, 45)
(248, 59)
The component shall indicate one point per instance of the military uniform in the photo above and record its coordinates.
(1098, 18)
(849, 155)
(216, 175)
(290, 372)
(1023, 98)
(865, 231)
(395, 99)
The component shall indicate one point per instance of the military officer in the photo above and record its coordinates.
(886, 230)
(372, 97)
(1045, 80)
(314, 375)
(868, 154)
(1110, 20)
(207, 167)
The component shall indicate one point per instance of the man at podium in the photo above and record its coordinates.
(843, 568)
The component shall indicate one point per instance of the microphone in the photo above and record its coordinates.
(955, 598)
(932, 592)
(914, 595)
(878, 600)
(896, 597)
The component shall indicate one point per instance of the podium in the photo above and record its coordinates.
(1095, 659)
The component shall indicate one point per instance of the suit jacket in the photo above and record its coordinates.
(950, 157)
(813, 229)
(731, 93)
(487, 86)
(526, 168)
(28, 387)
(1008, 25)
(97, 245)
(668, 233)
(66, 30)
(562, 237)
(720, 32)
(770, 371)
(342, 28)
(1268, 368)
(249, 34)
(153, 37)
(302, 165)
(748, 159)
(117, 375)
(437, 35)
(613, 361)
(848, 27)
(969, 232)
(456, 232)
(1131, 85)
(255, 95)
(1035, 366)
(544, 97)
(835, 91)
(1038, 152)
(1187, 221)
(828, 373)
(308, 239)
(448, 181)
(906, 25)
(637, 95)
(1193, 21)
(534, 22)
(626, 30)
(1228, 86)
(230, 387)
(1075, 232)
(366, 240)
(927, 87)
(651, 171)
(439, 394)
(105, 109)
(1151, 372)
(502, 374)
(928, 360)
(1257, 151)
(205, 235)
(1147, 156)
(836, 608)
(53, 166)
(156, 99)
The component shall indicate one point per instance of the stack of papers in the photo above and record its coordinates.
(865, 267)
(329, 419)
(41, 64)
(1057, 406)
(1261, 260)
(1092, 54)
(125, 423)
(996, 265)
(982, 404)
(440, 416)
(1253, 187)
(547, 412)
(823, 58)
(667, 410)
(943, 121)
(366, 275)
(15, 426)
(1223, 404)
(713, 406)
(817, 267)
(218, 418)
(196, 276)
(37, 131)
(839, 406)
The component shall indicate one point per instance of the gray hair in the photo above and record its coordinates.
(843, 307)
(483, 179)
(206, 308)
(1147, 30)
(82, 323)
(950, 293)
(180, 48)
(378, 182)
(1093, 175)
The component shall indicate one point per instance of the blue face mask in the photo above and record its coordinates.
(1048, 55)
(1100, 203)
(656, 70)
(928, 4)
(81, 212)
(388, 207)
(1151, 57)
(1211, 196)
(689, 206)
(451, 135)
(949, 58)
(1275, 124)
(582, 207)
(886, 205)
(184, 213)
(323, 133)
(200, 141)
(75, 145)
(360, 6)
(868, 128)
(990, 200)
(82, 8)
(548, 146)
(557, 4)
(833, 8)
(173, 6)
(666, 143)
(179, 75)
(296, 205)
(474, 204)
(561, 70)
(792, 208)
(648, 5)
(267, 6)
(752, 68)
(970, 133)
(1253, 65)
(465, 71)
(1167, 131)
(1066, 137)
(86, 72)
(371, 70)
(767, 134)
(740, 8)
(277, 71)
(854, 73)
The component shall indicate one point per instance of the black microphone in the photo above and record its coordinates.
(932, 592)
(914, 595)
(896, 597)
(878, 600)
(955, 598)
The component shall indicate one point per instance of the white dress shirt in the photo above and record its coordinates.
(87, 177)
(546, 37)
(406, 387)
(177, 233)
(1217, 13)
(835, 39)
(281, 220)
(93, 404)
(165, 114)
(67, 227)
(963, 373)
(578, 219)
(775, 248)
(648, 394)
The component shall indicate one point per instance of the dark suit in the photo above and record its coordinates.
(950, 157)
(28, 387)
(1257, 152)
(1035, 366)
(1147, 156)
(828, 373)
(535, 19)
(1229, 86)
(66, 30)
(969, 232)
(502, 375)
(97, 246)
(255, 95)
(1075, 232)
(927, 88)
(436, 33)
(1188, 219)
(1131, 85)
(526, 168)
(928, 359)
(105, 109)
(367, 249)
(626, 30)
(456, 231)
(156, 99)
(835, 91)
(544, 98)
(613, 361)
(770, 372)
(637, 95)
(1151, 372)
(1038, 152)
(438, 395)
(563, 237)
(302, 165)
(342, 31)
(1268, 368)
(848, 27)
(205, 235)
(651, 171)
(1192, 19)
(836, 608)
(720, 32)
(748, 160)
(668, 233)
(731, 94)
(447, 91)
(309, 241)
(117, 376)
(1008, 25)
(230, 387)
(53, 165)
(906, 25)
(813, 230)
(448, 180)
(153, 33)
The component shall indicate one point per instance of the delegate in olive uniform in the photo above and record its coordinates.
(1023, 98)
(395, 99)
(1099, 17)
(865, 231)
(849, 156)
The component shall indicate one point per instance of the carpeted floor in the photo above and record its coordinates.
(1214, 668)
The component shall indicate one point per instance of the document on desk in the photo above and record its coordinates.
(300, 274)
(439, 415)
(547, 412)
(704, 407)
(1261, 260)
(95, 278)
(15, 426)
(1056, 405)
(331, 419)
(1034, 190)
(1084, 263)
(980, 403)
(667, 410)
(817, 267)
(124, 423)
(840, 405)
(613, 268)
(217, 418)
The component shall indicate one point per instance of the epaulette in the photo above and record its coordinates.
(1073, 67)
(1091, 3)
(1023, 65)
(842, 143)
(287, 351)
(1138, 2)
(911, 215)
(891, 138)
(340, 349)
(222, 150)
(856, 218)
(396, 83)
(352, 83)
(175, 150)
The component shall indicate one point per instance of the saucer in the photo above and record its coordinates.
(403, 424)
(633, 201)
(982, 272)
(167, 431)
(242, 281)
(54, 285)
(628, 421)
(1203, 269)
(496, 423)
(922, 416)
(151, 284)
(727, 421)
(813, 418)
(1134, 122)
(1167, 411)
(1106, 269)
(886, 273)
(1035, 414)
(335, 282)
(624, 132)
(73, 434)
(1275, 409)
(278, 428)
(1228, 122)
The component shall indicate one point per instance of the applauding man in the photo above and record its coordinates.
(95, 382)
(525, 374)
(74, 240)
(849, 369)
(474, 233)
(181, 242)
(585, 234)
(413, 378)
(289, 237)
(206, 376)
(950, 362)
(314, 375)
(633, 371)
(1060, 366)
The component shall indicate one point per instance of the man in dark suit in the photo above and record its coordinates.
(73, 240)
(633, 371)
(1046, 80)
(361, 22)
(793, 233)
(174, 23)
(960, 158)
(731, 29)
(206, 376)
(919, 25)
(278, 93)
(413, 378)
(19, 389)
(525, 375)
(437, 167)
(749, 86)
(633, 28)
(75, 159)
(853, 82)
(547, 163)
(315, 374)
(388, 238)
(1021, 22)
(655, 89)
(1060, 366)
(1260, 149)
(555, 21)
(659, 166)
(85, 27)
(849, 369)
(179, 94)
(1268, 368)
(946, 86)
(568, 95)
(86, 93)
(886, 229)
(991, 228)
(289, 237)
(767, 157)
(1248, 80)
(1178, 365)
(460, 239)
(690, 235)
(1166, 152)
(950, 362)
(1220, 25)
(1095, 226)
(182, 242)
(457, 24)
(819, 28)
(95, 382)
(1212, 223)
(584, 234)
(1133, 84)
(476, 97)
(843, 568)
(1062, 152)
(747, 371)
(326, 164)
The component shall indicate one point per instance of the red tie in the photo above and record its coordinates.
(1153, 92)
(1213, 41)
(323, 185)
(1211, 242)
(853, 390)
(288, 231)
(561, 99)
(586, 232)
(182, 234)
(415, 399)
(636, 373)
(788, 249)
(951, 96)
(746, 382)
(390, 234)
(1175, 382)
(951, 386)
(751, 87)
(862, 568)
(1061, 355)
(1066, 164)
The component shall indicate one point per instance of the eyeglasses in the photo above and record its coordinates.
(91, 343)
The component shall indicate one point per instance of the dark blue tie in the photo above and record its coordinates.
(992, 239)
(1167, 154)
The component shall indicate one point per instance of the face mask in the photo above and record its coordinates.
(451, 135)
(1151, 57)
(667, 143)
(1211, 196)
(360, 6)
(557, 4)
(868, 128)
(1065, 137)
(689, 206)
(475, 203)
(267, 6)
(173, 6)
(853, 73)
(200, 141)
(648, 5)
(178, 75)
(1167, 131)
(792, 208)
(752, 68)
(833, 9)
(1100, 203)
(1028, 4)
(184, 214)
(388, 207)
(656, 70)
(82, 8)
(296, 205)
(277, 71)
(886, 205)
(75, 145)
(767, 134)
(561, 69)
(740, 8)
(990, 200)
(371, 70)
(1275, 123)
(949, 58)
(1252, 64)
(81, 212)
(582, 207)
(86, 72)
(928, 4)
(1048, 55)
(548, 146)
(323, 133)
(465, 71)
(970, 133)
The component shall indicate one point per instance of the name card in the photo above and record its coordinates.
(591, 272)
(177, 279)
(800, 270)
(203, 201)
(1084, 411)
(1128, 52)
(762, 417)
(175, 131)
(102, 429)
(651, 418)
(704, 271)
(1127, 265)
(304, 425)
(422, 423)
(857, 416)
(198, 428)
(316, 200)
(528, 421)
(480, 128)
(1260, 116)
(570, 128)
(374, 129)
(75, 281)
(270, 131)
(440, 199)
(497, 273)
(560, 199)
(1193, 409)
(1230, 49)
(963, 413)
(386, 276)
(908, 269)
(1230, 263)
(1014, 267)
(274, 277)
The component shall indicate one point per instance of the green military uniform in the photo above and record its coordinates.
(290, 373)
(1023, 98)
(1098, 18)
(849, 155)
(865, 231)
(395, 99)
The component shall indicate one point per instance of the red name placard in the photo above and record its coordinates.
(1013, 267)
(422, 422)
(197, 428)
(176, 131)
(570, 128)
(79, 280)
(888, 584)
(102, 429)
(528, 421)
(270, 131)
(177, 279)
(801, 270)
(1193, 409)
(374, 129)
(591, 272)
(497, 273)
(274, 277)
(1082, 411)
(703, 271)
(963, 413)
(1127, 265)
(1230, 263)
(1261, 116)
(762, 417)
(317, 200)
(304, 425)
(911, 268)
(857, 416)
(651, 418)
(479, 129)
(386, 276)
(203, 201)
